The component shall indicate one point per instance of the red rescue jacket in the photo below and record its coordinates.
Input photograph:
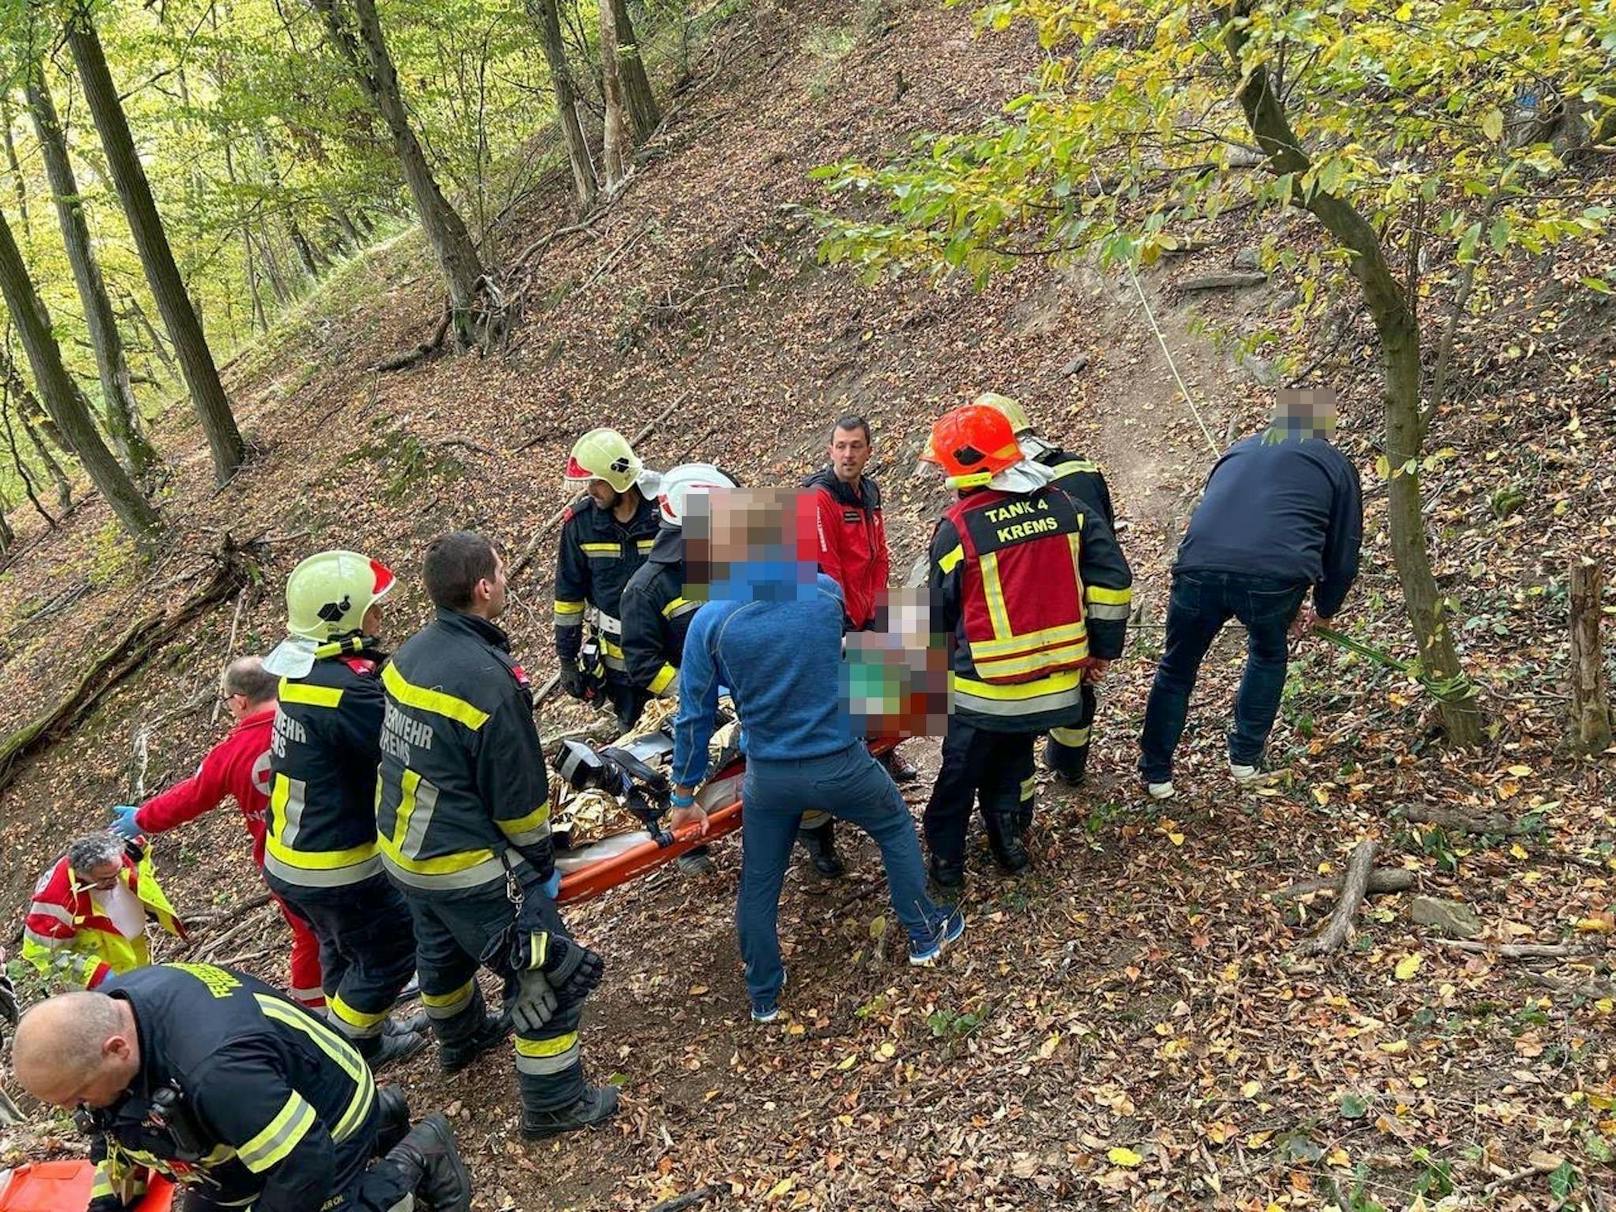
(237, 766)
(852, 542)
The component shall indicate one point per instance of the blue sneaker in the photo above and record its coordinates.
(768, 1011)
(924, 952)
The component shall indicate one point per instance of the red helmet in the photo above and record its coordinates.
(972, 444)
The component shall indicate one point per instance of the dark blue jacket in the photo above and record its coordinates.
(1291, 510)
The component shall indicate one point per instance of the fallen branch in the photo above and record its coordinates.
(1495, 823)
(233, 569)
(1515, 950)
(1381, 880)
(699, 1196)
(251, 919)
(1590, 989)
(423, 351)
(1353, 887)
(544, 242)
(1222, 282)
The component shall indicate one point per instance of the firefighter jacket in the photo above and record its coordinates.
(1081, 479)
(1027, 589)
(852, 542)
(69, 932)
(656, 616)
(598, 555)
(322, 760)
(241, 1095)
(237, 766)
(464, 794)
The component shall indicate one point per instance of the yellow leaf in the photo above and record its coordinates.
(781, 1187)
(1322, 795)
(1120, 1156)
(848, 1062)
(1492, 123)
(1517, 850)
(1047, 1048)
(796, 1029)
(1407, 967)
(1250, 1089)
(1596, 925)
(1395, 1048)
(888, 1051)
(1339, 1158)
(697, 990)
(1258, 1139)
(1520, 771)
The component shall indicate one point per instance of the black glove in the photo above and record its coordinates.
(106, 1203)
(572, 679)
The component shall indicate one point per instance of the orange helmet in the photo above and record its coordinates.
(972, 444)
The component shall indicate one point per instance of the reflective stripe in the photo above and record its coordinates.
(1066, 469)
(281, 856)
(1037, 662)
(429, 875)
(46, 909)
(530, 829)
(438, 702)
(1114, 597)
(318, 877)
(1054, 693)
(1072, 738)
(339, 1050)
(308, 997)
(680, 606)
(351, 1021)
(993, 591)
(598, 551)
(547, 1056)
(644, 544)
(286, 808)
(446, 1005)
(567, 607)
(44, 940)
(415, 809)
(1066, 633)
(1105, 613)
(664, 678)
(950, 560)
(280, 1136)
(312, 696)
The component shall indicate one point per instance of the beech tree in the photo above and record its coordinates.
(548, 20)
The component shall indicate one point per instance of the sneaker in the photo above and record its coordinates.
(695, 862)
(1161, 791)
(1246, 776)
(924, 953)
(768, 1011)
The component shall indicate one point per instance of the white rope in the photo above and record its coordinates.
(1161, 340)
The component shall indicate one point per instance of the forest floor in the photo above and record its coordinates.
(1127, 1026)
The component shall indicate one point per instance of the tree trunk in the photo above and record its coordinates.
(637, 94)
(146, 225)
(364, 49)
(23, 473)
(1590, 689)
(272, 269)
(545, 16)
(614, 140)
(117, 391)
(18, 181)
(64, 490)
(61, 396)
(27, 403)
(8, 536)
(1400, 369)
(158, 345)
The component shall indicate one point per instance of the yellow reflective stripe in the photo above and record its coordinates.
(601, 548)
(950, 559)
(280, 1136)
(672, 608)
(546, 1047)
(1072, 738)
(1014, 646)
(526, 824)
(1010, 666)
(101, 1188)
(610, 647)
(354, 1018)
(312, 696)
(645, 544)
(442, 1001)
(444, 864)
(562, 607)
(319, 860)
(1111, 597)
(1066, 469)
(664, 679)
(437, 702)
(335, 1047)
(993, 590)
(1010, 692)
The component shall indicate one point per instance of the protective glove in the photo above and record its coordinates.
(535, 1002)
(124, 820)
(572, 680)
(571, 969)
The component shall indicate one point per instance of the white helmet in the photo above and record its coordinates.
(685, 481)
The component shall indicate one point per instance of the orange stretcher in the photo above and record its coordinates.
(590, 870)
(64, 1186)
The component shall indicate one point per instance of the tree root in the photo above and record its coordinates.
(423, 351)
(1496, 823)
(1381, 880)
(1353, 888)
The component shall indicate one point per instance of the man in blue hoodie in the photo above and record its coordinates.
(771, 632)
(1282, 513)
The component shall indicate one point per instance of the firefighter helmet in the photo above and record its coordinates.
(972, 444)
(685, 481)
(1020, 422)
(328, 594)
(603, 454)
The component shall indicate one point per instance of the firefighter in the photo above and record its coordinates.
(87, 919)
(320, 852)
(464, 811)
(1066, 750)
(237, 766)
(208, 1076)
(1014, 568)
(606, 534)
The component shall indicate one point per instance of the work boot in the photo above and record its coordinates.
(410, 991)
(452, 1058)
(595, 1105)
(392, 1118)
(1004, 839)
(900, 770)
(430, 1162)
(418, 1023)
(820, 843)
(948, 879)
(380, 1051)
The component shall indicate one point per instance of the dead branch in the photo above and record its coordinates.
(1495, 823)
(1353, 888)
(679, 1202)
(1590, 989)
(1381, 880)
(251, 920)
(1515, 950)
(545, 241)
(423, 351)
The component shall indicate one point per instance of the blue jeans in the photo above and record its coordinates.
(850, 785)
(1202, 602)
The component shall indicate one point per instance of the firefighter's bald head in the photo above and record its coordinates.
(77, 1049)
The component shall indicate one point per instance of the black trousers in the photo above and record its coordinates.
(452, 932)
(994, 769)
(367, 950)
(1067, 749)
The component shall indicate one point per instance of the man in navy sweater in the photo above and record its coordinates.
(771, 631)
(1282, 513)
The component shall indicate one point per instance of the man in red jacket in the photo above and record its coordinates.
(237, 766)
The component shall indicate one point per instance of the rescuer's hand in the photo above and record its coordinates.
(1096, 670)
(1305, 621)
(572, 680)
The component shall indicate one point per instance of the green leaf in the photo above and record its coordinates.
(1498, 233)
(1353, 1107)
(1563, 1181)
(1597, 284)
